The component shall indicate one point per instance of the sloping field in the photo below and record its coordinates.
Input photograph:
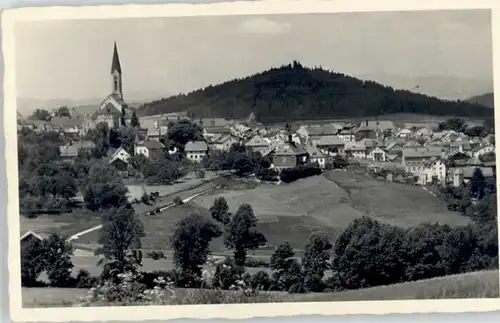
(291, 212)
(394, 203)
(484, 284)
(481, 284)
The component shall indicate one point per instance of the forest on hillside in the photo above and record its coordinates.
(483, 99)
(296, 92)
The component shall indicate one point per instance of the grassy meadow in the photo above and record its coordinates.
(482, 284)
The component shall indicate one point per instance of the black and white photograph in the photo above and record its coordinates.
(252, 158)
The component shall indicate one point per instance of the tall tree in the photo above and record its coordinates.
(190, 241)
(281, 263)
(58, 254)
(33, 262)
(220, 210)
(40, 114)
(134, 121)
(477, 183)
(62, 112)
(179, 133)
(242, 234)
(315, 261)
(120, 239)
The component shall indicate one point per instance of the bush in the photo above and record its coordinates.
(85, 280)
(251, 262)
(145, 199)
(227, 274)
(149, 278)
(156, 254)
(178, 200)
(289, 175)
(271, 175)
(261, 280)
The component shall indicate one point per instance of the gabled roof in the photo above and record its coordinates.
(381, 124)
(71, 121)
(320, 130)
(313, 151)
(72, 150)
(364, 128)
(392, 145)
(418, 152)
(329, 141)
(257, 141)
(151, 144)
(196, 146)
(217, 129)
(289, 149)
(39, 237)
(116, 155)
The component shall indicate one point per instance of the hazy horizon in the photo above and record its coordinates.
(165, 56)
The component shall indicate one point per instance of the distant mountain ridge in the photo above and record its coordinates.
(440, 86)
(26, 106)
(486, 99)
(295, 92)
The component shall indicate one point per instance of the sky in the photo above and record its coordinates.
(165, 56)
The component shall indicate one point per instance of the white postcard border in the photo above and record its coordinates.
(237, 311)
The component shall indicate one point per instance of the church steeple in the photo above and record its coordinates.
(116, 73)
(115, 65)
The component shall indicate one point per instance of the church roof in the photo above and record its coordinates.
(115, 65)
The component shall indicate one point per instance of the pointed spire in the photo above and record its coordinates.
(115, 65)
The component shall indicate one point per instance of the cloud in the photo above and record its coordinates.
(263, 26)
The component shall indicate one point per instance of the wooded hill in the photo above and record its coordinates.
(295, 92)
(483, 99)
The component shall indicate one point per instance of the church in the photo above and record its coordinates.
(113, 110)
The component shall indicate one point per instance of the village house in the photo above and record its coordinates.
(289, 155)
(404, 133)
(365, 132)
(394, 149)
(29, 237)
(196, 150)
(151, 149)
(72, 150)
(314, 132)
(356, 150)
(69, 126)
(316, 156)
(382, 126)
(347, 136)
(432, 171)
(483, 151)
(37, 126)
(223, 142)
(330, 145)
(423, 132)
(214, 131)
(120, 159)
(240, 130)
(377, 154)
(258, 144)
(414, 158)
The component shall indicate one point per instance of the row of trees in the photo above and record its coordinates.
(460, 125)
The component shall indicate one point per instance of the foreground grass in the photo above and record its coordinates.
(483, 284)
